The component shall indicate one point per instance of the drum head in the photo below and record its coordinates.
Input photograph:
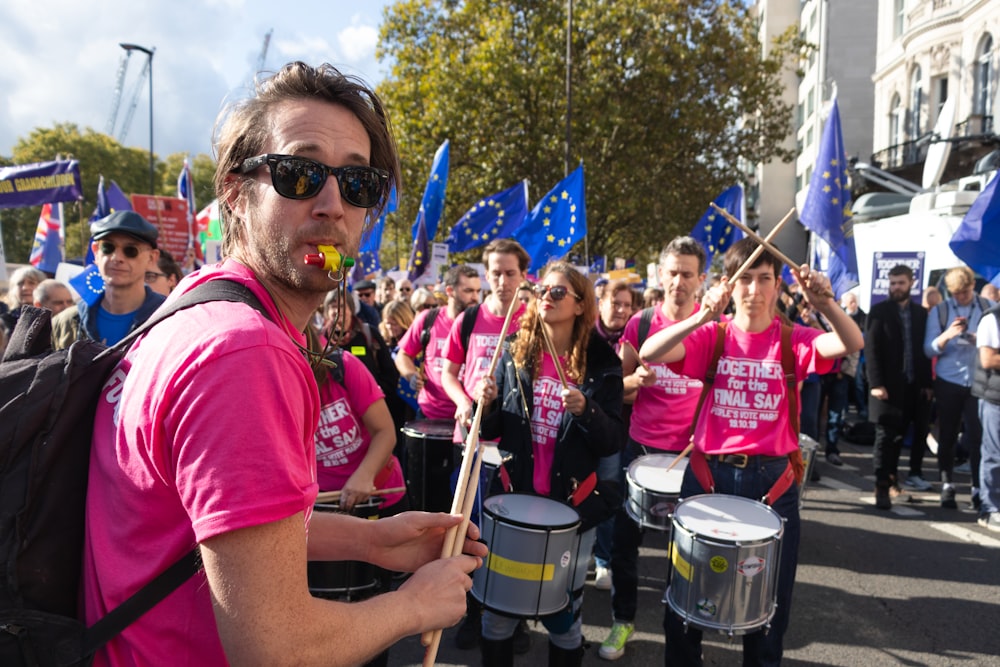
(521, 509)
(729, 518)
(650, 472)
(437, 429)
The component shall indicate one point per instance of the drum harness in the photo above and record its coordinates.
(794, 471)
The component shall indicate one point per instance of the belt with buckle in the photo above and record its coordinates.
(741, 460)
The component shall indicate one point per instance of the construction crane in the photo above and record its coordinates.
(117, 96)
(262, 57)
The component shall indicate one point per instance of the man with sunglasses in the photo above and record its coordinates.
(204, 436)
(124, 250)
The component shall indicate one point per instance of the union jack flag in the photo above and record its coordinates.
(47, 250)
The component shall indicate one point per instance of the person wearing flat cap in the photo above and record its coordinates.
(124, 245)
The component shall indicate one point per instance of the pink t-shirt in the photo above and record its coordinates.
(746, 411)
(433, 399)
(546, 417)
(662, 413)
(486, 336)
(205, 428)
(341, 438)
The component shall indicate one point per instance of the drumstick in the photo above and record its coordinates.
(555, 356)
(451, 542)
(637, 357)
(758, 251)
(327, 496)
(687, 450)
(767, 245)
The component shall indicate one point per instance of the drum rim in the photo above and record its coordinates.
(522, 524)
(445, 425)
(679, 519)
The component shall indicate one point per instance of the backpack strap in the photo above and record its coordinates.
(336, 371)
(425, 332)
(147, 597)
(699, 466)
(645, 322)
(468, 324)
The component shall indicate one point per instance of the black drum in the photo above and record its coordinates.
(346, 580)
(429, 462)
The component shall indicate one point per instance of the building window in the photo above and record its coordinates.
(982, 100)
(898, 16)
(916, 101)
(896, 121)
(939, 86)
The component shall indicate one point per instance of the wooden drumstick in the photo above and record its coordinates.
(766, 244)
(555, 356)
(758, 251)
(637, 357)
(682, 455)
(327, 496)
(452, 545)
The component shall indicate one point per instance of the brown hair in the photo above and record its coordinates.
(527, 347)
(507, 247)
(243, 130)
(740, 252)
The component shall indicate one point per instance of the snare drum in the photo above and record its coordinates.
(533, 546)
(345, 580)
(724, 552)
(429, 462)
(652, 491)
(808, 447)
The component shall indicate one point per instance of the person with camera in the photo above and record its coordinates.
(951, 339)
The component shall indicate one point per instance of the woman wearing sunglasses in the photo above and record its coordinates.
(557, 416)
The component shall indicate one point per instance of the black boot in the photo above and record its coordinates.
(560, 657)
(497, 653)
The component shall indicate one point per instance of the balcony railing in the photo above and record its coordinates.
(901, 155)
(974, 125)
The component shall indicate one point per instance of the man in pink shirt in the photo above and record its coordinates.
(204, 434)
(746, 436)
(466, 364)
(664, 404)
(462, 285)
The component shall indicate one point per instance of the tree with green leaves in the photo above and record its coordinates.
(668, 99)
(99, 154)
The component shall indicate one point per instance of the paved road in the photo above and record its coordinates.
(919, 585)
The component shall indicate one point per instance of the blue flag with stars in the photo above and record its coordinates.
(495, 216)
(713, 231)
(432, 204)
(367, 262)
(557, 222)
(827, 208)
(420, 256)
(977, 240)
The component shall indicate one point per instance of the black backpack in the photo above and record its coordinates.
(47, 405)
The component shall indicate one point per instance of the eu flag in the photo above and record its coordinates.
(713, 231)
(827, 209)
(367, 262)
(977, 240)
(420, 256)
(557, 222)
(494, 216)
(108, 201)
(185, 191)
(47, 249)
(432, 204)
(88, 284)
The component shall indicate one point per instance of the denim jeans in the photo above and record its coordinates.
(957, 409)
(760, 648)
(835, 389)
(989, 463)
(565, 627)
(625, 548)
(608, 468)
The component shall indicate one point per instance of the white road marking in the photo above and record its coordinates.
(966, 534)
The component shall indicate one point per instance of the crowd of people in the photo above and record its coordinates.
(224, 440)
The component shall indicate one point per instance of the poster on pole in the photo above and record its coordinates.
(882, 263)
(169, 214)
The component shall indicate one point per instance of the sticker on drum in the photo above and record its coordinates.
(724, 550)
(433, 429)
(653, 490)
(533, 552)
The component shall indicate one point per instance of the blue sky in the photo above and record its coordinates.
(61, 60)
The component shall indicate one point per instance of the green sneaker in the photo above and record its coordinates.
(614, 646)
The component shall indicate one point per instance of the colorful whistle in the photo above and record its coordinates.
(329, 258)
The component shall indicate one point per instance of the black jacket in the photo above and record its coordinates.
(581, 441)
(884, 350)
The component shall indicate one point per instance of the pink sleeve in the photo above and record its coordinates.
(362, 390)
(236, 468)
(807, 359)
(410, 343)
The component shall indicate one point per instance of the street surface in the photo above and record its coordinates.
(917, 585)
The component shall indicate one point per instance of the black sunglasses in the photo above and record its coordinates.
(301, 178)
(153, 276)
(108, 248)
(557, 292)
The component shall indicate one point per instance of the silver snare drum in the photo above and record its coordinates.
(724, 553)
(533, 552)
(652, 490)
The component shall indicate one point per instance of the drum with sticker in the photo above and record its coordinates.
(653, 490)
(724, 553)
(345, 580)
(533, 547)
